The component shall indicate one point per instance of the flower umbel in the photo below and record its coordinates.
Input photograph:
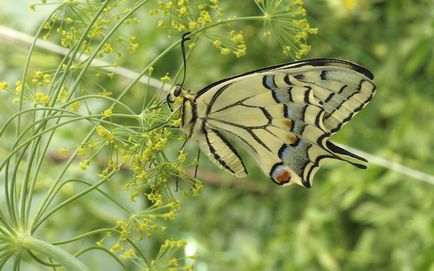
(284, 20)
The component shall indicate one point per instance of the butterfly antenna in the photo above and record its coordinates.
(183, 40)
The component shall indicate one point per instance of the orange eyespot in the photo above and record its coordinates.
(283, 177)
(280, 174)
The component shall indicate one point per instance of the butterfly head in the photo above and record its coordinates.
(176, 93)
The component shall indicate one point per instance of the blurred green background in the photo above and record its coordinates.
(376, 219)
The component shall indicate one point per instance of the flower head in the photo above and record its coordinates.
(284, 20)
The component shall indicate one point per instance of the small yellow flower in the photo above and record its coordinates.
(100, 243)
(84, 164)
(181, 28)
(18, 87)
(81, 151)
(237, 38)
(63, 151)
(107, 113)
(286, 50)
(32, 7)
(181, 243)
(41, 98)
(192, 25)
(117, 248)
(128, 254)
(225, 51)
(63, 94)
(181, 157)
(217, 43)
(183, 10)
(105, 92)
(107, 48)
(169, 5)
(102, 131)
(301, 11)
(3, 85)
(47, 78)
(165, 79)
(68, 20)
(176, 122)
(241, 51)
(75, 106)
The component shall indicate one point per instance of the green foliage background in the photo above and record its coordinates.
(374, 219)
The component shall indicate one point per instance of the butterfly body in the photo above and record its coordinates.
(283, 115)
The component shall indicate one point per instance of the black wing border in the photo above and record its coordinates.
(316, 62)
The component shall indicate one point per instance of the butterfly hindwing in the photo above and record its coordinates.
(283, 115)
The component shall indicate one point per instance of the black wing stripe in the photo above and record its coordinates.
(214, 97)
(248, 129)
(216, 156)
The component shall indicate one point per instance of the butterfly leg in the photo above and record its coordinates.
(197, 165)
(180, 151)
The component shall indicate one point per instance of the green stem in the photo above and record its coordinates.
(61, 256)
(49, 195)
(60, 205)
(29, 183)
(84, 235)
(48, 198)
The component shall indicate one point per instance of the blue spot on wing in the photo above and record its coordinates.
(289, 112)
(268, 82)
(284, 152)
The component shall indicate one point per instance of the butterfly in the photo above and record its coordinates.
(282, 115)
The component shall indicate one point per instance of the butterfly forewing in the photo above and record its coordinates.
(283, 115)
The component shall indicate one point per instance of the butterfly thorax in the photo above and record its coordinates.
(191, 122)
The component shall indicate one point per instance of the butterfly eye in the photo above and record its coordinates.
(177, 91)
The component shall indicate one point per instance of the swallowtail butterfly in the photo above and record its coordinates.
(283, 115)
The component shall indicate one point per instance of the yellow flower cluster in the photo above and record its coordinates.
(105, 134)
(63, 151)
(41, 98)
(39, 78)
(70, 17)
(18, 87)
(234, 43)
(3, 85)
(172, 243)
(285, 21)
(142, 224)
(75, 106)
(107, 113)
(165, 79)
(186, 15)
